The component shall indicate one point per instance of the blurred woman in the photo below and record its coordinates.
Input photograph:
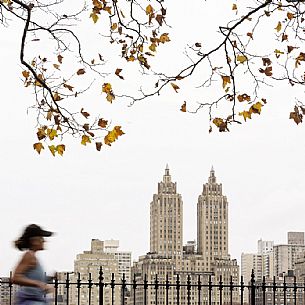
(28, 273)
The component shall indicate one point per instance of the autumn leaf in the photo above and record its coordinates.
(60, 149)
(69, 87)
(164, 38)
(98, 145)
(114, 26)
(243, 97)
(52, 149)
(250, 35)
(234, 7)
(246, 115)
(278, 27)
(290, 16)
(225, 80)
(38, 147)
(241, 58)
(52, 133)
(183, 107)
(296, 116)
(300, 58)
(149, 10)
(59, 58)
(256, 108)
(117, 73)
(94, 17)
(41, 133)
(221, 124)
(85, 139)
(102, 123)
(267, 71)
(84, 113)
(81, 71)
(113, 135)
(26, 74)
(266, 61)
(107, 88)
(57, 97)
(278, 53)
(56, 66)
(175, 87)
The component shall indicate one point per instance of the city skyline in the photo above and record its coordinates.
(212, 177)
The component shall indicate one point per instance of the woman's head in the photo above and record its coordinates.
(32, 238)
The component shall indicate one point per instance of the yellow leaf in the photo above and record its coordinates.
(245, 114)
(278, 27)
(85, 140)
(149, 10)
(38, 147)
(241, 58)
(52, 149)
(175, 87)
(152, 47)
(225, 80)
(114, 26)
(52, 133)
(164, 38)
(113, 135)
(256, 108)
(60, 149)
(106, 87)
(94, 17)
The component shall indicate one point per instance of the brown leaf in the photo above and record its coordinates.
(102, 123)
(59, 58)
(98, 145)
(266, 61)
(296, 116)
(183, 107)
(84, 113)
(267, 71)
(69, 87)
(117, 73)
(38, 147)
(81, 71)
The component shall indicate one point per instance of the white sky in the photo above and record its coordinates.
(106, 195)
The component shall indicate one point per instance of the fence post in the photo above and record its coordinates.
(252, 287)
(100, 287)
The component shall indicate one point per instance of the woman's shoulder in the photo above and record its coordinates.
(29, 258)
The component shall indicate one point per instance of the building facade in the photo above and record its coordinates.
(169, 260)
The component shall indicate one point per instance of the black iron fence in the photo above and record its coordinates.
(189, 289)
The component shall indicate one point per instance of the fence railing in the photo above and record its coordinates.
(177, 289)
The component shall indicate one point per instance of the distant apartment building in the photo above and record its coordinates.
(293, 294)
(286, 255)
(169, 260)
(7, 291)
(105, 255)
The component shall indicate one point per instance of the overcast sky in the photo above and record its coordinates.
(106, 195)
